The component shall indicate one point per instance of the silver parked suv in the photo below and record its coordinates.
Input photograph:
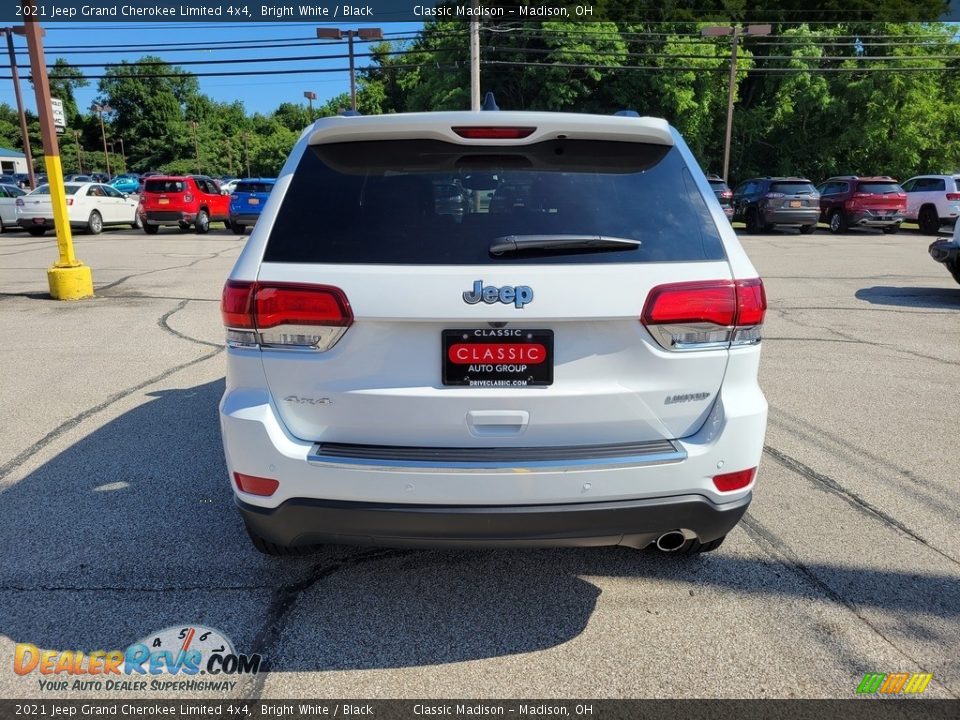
(566, 357)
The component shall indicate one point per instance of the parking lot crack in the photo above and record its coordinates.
(779, 551)
(68, 425)
(164, 324)
(853, 499)
(281, 606)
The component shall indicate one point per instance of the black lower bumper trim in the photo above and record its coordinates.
(635, 523)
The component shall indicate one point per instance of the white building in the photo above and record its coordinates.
(12, 161)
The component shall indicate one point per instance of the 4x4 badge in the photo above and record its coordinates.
(519, 295)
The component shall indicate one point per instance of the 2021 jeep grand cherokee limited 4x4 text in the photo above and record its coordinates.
(575, 365)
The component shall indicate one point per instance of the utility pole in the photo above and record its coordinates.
(69, 279)
(365, 34)
(735, 31)
(123, 154)
(475, 58)
(101, 109)
(196, 145)
(16, 92)
(246, 151)
(76, 136)
(229, 156)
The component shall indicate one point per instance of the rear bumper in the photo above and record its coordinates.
(867, 218)
(635, 523)
(244, 218)
(777, 216)
(168, 217)
(27, 223)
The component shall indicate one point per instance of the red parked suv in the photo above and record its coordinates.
(847, 201)
(183, 200)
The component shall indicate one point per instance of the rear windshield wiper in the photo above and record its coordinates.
(515, 243)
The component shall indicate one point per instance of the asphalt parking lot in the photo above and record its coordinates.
(118, 521)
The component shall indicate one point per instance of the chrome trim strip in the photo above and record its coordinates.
(518, 464)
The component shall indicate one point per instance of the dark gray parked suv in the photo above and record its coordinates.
(764, 202)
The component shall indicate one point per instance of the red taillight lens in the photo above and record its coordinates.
(953, 196)
(301, 305)
(284, 315)
(727, 194)
(236, 304)
(862, 194)
(751, 302)
(694, 302)
(255, 485)
(707, 314)
(494, 133)
(735, 480)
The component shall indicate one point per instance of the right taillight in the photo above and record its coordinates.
(705, 314)
(284, 315)
(953, 196)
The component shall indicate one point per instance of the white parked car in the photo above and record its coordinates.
(90, 207)
(8, 205)
(573, 365)
(229, 186)
(932, 201)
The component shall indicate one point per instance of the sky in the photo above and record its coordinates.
(92, 43)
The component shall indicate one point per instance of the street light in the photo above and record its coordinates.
(101, 109)
(735, 31)
(365, 34)
(310, 96)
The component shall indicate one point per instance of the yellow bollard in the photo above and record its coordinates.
(68, 278)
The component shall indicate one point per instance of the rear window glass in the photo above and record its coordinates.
(878, 187)
(793, 187)
(253, 187)
(45, 190)
(718, 184)
(165, 186)
(432, 202)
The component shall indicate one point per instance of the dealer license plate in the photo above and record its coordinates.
(498, 357)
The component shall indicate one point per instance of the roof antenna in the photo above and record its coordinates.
(489, 103)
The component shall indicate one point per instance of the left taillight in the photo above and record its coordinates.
(706, 315)
(284, 315)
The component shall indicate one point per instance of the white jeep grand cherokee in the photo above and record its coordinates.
(492, 328)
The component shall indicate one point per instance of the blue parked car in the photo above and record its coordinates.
(127, 184)
(247, 201)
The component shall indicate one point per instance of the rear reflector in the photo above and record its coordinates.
(284, 315)
(705, 314)
(493, 133)
(735, 480)
(255, 485)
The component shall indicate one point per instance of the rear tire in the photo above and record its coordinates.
(151, 229)
(184, 226)
(754, 226)
(237, 228)
(37, 232)
(954, 268)
(274, 550)
(929, 220)
(202, 223)
(808, 229)
(137, 222)
(838, 223)
(94, 223)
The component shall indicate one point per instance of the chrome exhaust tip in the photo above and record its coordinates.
(671, 541)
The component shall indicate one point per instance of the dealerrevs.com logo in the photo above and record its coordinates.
(172, 659)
